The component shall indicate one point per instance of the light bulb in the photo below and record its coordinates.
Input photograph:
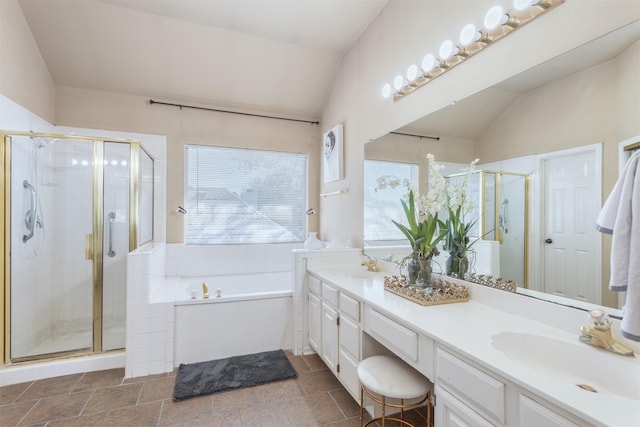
(412, 72)
(468, 35)
(428, 62)
(494, 18)
(523, 4)
(446, 50)
(398, 82)
(386, 91)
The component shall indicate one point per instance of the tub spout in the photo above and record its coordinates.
(205, 291)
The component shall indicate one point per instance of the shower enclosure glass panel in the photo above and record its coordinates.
(73, 219)
(115, 245)
(145, 203)
(51, 211)
(499, 202)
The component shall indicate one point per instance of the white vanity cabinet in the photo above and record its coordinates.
(467, 395)
(451, 412)
(335, 331)
(349, 320)
(461, 384)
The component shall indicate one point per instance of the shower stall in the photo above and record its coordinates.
(73, 207)
(500, 202)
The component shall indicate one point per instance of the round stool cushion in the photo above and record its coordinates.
(391, 377)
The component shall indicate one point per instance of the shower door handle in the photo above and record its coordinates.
(88, 247)
(112, 216)
(30, 218)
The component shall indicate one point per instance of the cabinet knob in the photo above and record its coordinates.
(548, 241)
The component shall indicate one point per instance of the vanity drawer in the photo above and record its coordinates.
(485, 393)
(533, 414)
(330, 294)
(314, 285)
(401, 340)
(350, 307)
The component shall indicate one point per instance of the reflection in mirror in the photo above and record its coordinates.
(564, 118)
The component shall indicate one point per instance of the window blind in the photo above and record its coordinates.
(240, 196)
(383, 206)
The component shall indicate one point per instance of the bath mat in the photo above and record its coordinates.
(202, 378)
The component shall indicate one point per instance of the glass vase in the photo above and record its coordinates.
(457, 265)
(419, 272)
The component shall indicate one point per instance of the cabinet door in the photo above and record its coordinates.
(451, 412)
(349, 337)
(330, 336)
(315, 322)
(349, 373)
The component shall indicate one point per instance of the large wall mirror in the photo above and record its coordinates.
(552, 135)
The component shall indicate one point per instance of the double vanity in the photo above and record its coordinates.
(499, 359)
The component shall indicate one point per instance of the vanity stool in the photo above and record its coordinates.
(385, 377)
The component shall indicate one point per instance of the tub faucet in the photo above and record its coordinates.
(600, 334)
(370, 263)
(205, 291)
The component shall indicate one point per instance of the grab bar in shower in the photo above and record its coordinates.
(30, 218)
(112, 216)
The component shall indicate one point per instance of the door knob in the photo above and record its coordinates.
(548, 241)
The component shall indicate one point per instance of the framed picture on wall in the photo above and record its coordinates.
(332, 162)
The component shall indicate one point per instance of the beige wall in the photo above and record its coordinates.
(403, 32)
(24, 77)
(100, 110)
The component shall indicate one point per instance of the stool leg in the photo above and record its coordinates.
(361, 406)
(429, 414)
(402, 409)
(384, 404)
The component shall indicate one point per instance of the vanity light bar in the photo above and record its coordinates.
(497, 24)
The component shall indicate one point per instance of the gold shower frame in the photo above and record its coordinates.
(95, 241)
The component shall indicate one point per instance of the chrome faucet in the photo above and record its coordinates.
(370, 263)
(600, 334)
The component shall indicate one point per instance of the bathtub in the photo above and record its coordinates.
(252, 314)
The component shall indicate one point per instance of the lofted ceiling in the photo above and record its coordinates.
(278, 56)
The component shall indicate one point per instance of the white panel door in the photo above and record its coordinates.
(570, 258)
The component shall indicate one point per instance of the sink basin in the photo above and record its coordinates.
(578, 363)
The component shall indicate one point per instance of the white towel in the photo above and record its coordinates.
(620, 216)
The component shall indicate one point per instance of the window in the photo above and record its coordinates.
(244, 196)
(382, 206)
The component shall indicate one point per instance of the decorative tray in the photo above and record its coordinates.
(441, 291)
(493, 282)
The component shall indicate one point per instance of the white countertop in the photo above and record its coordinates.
(468, 328)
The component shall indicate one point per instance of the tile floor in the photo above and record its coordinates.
(104, 398)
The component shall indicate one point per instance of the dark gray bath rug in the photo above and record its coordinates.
(202, 378)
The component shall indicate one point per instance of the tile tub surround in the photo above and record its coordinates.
(150, 346)
(315, 398)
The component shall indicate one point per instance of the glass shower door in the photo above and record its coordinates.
(115, 245)
(51, 216)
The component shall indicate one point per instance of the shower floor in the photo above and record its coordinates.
(112, 338)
